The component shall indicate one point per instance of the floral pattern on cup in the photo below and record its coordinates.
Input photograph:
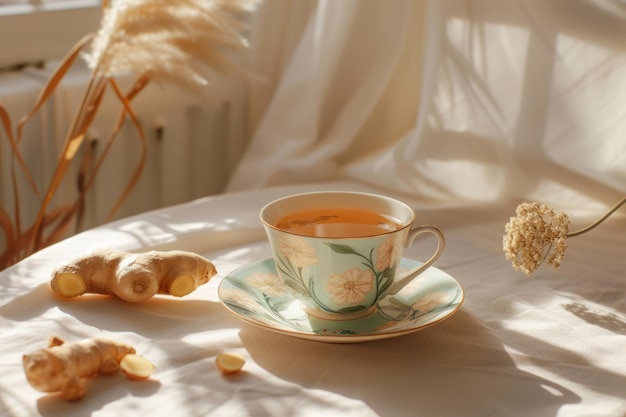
(297, 251)
(348, 288)
(387, 254)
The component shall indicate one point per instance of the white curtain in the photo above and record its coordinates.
(474, 100)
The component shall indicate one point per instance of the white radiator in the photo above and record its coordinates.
(193, 144)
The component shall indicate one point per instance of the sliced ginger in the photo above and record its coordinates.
(136, 367)
(182, 285)
(229, 363)
(133, 277)
(62, 366)
(72, 285)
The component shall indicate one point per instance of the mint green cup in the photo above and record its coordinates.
(342, 278)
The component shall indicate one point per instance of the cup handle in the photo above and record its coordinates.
(441, 243)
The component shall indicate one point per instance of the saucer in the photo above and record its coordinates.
(255, 294)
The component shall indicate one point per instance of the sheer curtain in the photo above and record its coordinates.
(336, 97)
(472, 100)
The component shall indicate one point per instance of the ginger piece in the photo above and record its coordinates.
(136, 367)
(229, 363)
(132, 277)
(62, 366)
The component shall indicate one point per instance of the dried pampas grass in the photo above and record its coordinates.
(181, 41)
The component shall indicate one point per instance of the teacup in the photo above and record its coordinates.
(339, 252)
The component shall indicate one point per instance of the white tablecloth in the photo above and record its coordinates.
(550, 345)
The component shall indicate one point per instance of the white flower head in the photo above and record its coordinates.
(387, 253)
(299, 252)
(537, 233)
(430, 301)
(268, 283)
(240, 298)
(350, 287)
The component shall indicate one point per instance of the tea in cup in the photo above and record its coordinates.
(339, 252)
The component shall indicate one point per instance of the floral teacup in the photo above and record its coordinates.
(338, 252)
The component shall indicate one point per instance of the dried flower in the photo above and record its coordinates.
(536, 234)
(180, 41)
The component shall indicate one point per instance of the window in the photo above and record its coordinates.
(33, 31)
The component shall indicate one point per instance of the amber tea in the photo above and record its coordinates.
(337, 222)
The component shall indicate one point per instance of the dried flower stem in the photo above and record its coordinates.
(82, 121)
(600, 220)
(538, 233)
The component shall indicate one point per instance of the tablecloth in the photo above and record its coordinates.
(550, 345)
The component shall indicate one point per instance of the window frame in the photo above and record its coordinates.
(35, 33)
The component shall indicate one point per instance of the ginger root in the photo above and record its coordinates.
(133, 276)
(61, 366)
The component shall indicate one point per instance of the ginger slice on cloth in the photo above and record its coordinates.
(229, 363)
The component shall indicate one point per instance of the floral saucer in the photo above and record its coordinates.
(254, 293)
